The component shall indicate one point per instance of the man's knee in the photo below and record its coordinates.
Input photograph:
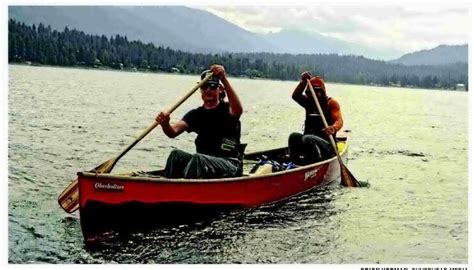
(177, 152)
(195, 167)
(295, 137)
(197, 158)
(175, 163)
(319, 145)
(295, 141)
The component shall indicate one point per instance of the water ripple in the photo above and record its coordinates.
(414, 212)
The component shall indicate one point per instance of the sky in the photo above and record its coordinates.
(396, 27)
(405, 27)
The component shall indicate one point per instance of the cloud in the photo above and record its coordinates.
(403, 27)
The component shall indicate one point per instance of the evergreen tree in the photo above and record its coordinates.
(70, 47)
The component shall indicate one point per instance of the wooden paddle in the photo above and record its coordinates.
(69, 198)
(347, 179)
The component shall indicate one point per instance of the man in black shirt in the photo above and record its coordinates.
(217, 125)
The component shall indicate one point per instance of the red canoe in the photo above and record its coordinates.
(113, 202)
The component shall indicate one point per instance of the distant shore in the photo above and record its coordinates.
(141, 70)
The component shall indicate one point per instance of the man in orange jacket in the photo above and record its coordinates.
(313, 145)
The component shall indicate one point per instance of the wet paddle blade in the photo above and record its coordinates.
(347, 179)
(69, 198)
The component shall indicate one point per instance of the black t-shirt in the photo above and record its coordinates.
(218, 131)
(314, 123)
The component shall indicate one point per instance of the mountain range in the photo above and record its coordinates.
(440, 55)
(195, 30)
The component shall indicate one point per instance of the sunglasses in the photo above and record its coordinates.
(209, 87)
(316, 91)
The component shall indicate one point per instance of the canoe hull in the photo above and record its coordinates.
(115, 202)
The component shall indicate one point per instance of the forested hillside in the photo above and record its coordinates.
(42, 45)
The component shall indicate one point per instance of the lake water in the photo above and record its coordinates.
(410, 144)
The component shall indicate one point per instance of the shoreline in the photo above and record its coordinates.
(135, 70)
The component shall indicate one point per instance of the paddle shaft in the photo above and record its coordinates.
(344, 171)
(331, 138)
(69, 198)
(170, 110)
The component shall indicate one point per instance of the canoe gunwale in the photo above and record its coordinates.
(214, 180)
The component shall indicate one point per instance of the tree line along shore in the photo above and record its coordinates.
(41, 45)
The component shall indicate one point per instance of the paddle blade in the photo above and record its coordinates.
(105, 167)
(69, 198)
(347, 179)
